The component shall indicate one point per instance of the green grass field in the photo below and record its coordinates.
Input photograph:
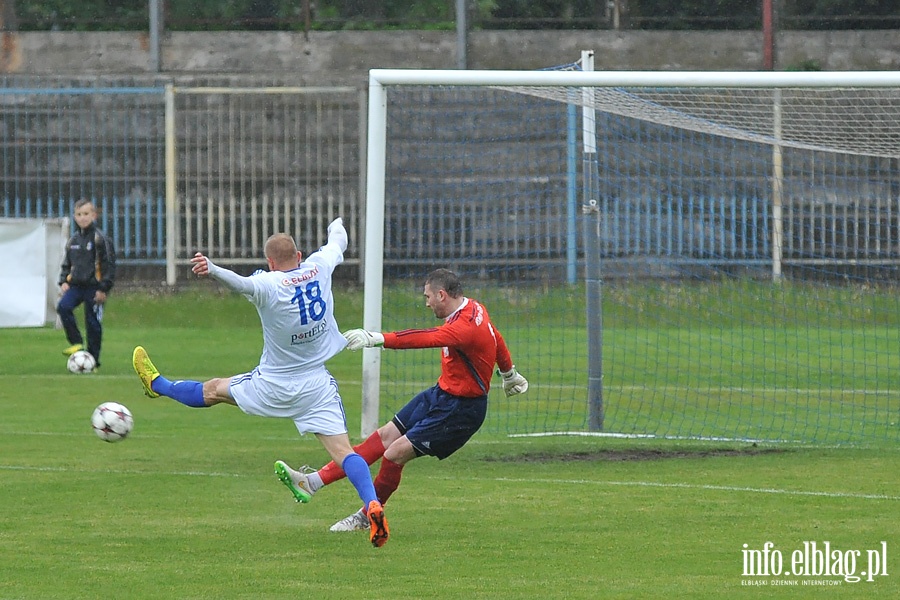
(188, 506)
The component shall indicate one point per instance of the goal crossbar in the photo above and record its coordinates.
(757, 79)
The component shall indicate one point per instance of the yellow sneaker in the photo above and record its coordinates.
(145, 370)
(73, 349)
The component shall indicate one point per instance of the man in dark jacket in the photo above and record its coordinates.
(87, 274)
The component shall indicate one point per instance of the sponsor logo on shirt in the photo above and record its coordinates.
(308, 336)
(298, 279)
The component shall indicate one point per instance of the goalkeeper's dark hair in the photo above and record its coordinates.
(447, 280)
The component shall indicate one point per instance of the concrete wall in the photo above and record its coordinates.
(344, 58)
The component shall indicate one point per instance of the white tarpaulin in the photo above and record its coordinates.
(30, 257)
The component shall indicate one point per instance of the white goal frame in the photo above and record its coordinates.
(377, 146)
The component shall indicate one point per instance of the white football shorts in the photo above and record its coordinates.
(311, 400)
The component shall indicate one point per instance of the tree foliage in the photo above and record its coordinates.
(832, 14)
(417, 14)
(695, 14)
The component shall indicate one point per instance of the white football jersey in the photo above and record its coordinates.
(296, 309)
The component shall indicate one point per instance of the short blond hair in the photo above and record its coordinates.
(280, 248)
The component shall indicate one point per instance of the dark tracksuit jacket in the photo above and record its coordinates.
(89, 265)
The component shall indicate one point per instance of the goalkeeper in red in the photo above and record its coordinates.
(439, 420)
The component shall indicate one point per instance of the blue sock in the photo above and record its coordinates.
(358, 473)
(189, 393)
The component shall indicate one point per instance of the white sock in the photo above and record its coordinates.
(315, 482)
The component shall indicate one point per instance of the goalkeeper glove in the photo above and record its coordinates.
(360, 338)
(513, 383)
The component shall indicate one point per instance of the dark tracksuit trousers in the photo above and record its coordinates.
(93, 315)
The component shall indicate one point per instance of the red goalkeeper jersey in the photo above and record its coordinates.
(470, 346)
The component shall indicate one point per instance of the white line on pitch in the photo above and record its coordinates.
(650, 484)
(563, 386)
(116, 471)
(721, 488)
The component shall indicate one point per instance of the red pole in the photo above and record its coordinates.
(768, 36)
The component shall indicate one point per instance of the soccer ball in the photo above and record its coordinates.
(112, 422)
(81, 362)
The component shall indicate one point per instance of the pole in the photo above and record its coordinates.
(156, 26)
(768, 36)
(374, 252)
(593, 284)
(462, 28)
(571, 186)
(307, 20)
(777, 190)
(171, 189)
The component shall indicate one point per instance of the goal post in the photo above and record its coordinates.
(373, 258)
(731, 209)
(592, 273)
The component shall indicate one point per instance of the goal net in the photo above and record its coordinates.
(680, 255)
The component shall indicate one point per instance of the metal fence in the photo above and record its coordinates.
(178, 168)
(250, 162)
(216, 169)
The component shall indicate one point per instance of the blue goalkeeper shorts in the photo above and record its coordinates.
(438, 424)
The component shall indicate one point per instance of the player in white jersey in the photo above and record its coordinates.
(296, 310)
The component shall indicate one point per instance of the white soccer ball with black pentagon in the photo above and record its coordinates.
(112, 422)
(81, 362)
